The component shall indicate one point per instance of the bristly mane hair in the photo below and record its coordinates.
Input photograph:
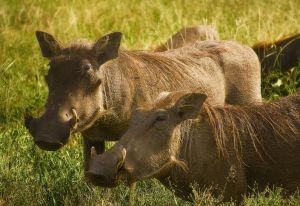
(232, 124)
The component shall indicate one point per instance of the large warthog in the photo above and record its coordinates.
(94, 87)
(229, 147)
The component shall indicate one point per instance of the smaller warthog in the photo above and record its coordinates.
(229, 147)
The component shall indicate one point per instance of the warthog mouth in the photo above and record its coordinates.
(129, 178)
(49, 146)
(101, 180)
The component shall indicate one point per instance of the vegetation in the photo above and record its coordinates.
(30, 176)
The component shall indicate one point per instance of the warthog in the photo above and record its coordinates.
(282, 54)
(93, 87)
(189, 35)
(180, 140)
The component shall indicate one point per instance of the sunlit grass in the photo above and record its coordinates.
(29, 176)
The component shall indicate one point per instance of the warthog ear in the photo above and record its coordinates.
(188, 106)
(49, 46)
(107, 47)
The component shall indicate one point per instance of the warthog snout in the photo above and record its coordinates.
(49, 131)
(100, 180)
(104, 169)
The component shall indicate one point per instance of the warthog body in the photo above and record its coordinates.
(93, 88)
(282, 54)
(189, 35)
(230, 147)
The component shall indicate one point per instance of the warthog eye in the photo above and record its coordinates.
(87, 67)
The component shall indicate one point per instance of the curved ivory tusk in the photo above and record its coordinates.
(74, 120)
(123, 154)
(93, 152)
(122, 160)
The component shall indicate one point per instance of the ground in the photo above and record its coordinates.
(30, 176)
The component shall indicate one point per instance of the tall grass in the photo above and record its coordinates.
(29, 176)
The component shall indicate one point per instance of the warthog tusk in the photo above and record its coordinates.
(122, 160)
(74, 120)
(123, 154)
(93, 152)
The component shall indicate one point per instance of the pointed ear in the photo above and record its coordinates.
(107, 47)
(188, 106)
(49, 46)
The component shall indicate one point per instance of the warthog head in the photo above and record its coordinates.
(150, 146)
(73, 81)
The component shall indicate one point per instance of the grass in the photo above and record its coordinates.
(29, 176)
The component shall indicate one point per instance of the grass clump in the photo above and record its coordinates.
(29, 176)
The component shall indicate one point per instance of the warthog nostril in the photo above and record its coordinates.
(74, 120)
(95, 177)
(50, 146)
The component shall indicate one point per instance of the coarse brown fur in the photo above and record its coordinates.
(265, 138)
(229, 123)
(233, 147)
